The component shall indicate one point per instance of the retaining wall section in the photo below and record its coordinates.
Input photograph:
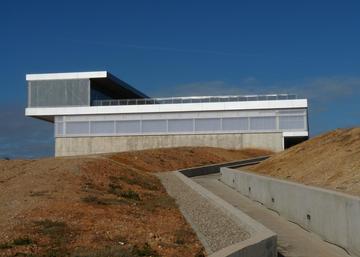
(262, 242)
(215, 168)
(332, 215)
(69, 146)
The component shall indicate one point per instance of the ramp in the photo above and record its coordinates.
(293, 241)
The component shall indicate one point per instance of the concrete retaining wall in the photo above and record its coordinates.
(262, 242)
(92, 145)
(332, 215)
(215, 168)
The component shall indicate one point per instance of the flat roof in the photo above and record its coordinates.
(67, 75)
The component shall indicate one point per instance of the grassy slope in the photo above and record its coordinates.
(104, 205)
(331, 160)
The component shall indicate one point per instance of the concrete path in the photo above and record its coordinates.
(293, 241)
(215, 229)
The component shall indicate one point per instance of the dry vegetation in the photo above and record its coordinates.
(331, 160)
(104, 205)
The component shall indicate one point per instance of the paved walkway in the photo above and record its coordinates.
(293, 241)
(212, 225)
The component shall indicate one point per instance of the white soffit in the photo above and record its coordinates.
(296, 134)
(67, 75)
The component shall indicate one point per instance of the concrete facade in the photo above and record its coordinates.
(94, 145)
(96, 112)
(332, 215)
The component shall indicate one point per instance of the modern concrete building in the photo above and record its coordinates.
(95, 112)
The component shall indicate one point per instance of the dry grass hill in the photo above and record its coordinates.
(331, 160)
(101, 205)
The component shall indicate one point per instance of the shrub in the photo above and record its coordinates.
(115, 189)
(145, 250)
(57, 231)
(181, 235)
(93, 200)
(130, 195)
(59, 234)
(161, 202)
(144, 182)
(18, 241)
(102, 201)
(6, 246)
(22, 241)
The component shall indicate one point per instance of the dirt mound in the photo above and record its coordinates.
(168, 159)
(331, 160)
(101, 205)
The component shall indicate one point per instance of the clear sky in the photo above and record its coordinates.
(166, 48)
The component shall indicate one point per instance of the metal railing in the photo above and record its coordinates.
(193, 99)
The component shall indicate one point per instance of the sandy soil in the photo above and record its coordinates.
(331, 160)
(102, 205)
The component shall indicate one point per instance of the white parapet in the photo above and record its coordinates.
(164, 108)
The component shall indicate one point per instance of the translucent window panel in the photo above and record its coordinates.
(54, 93)
(102, 127)
(153, 126)
(292, 122)
(77, 128)
(207, 124)
(59, 128)
(180, 125)
(128, 127)
(263, 123)
(289, 112)
(59, 118)
(235, 124)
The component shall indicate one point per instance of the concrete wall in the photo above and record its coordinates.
(92, 145)
(332, 215)
(215, 168)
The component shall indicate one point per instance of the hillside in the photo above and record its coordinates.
(331, 160)
(99, 205)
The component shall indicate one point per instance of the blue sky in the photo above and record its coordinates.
(166, 48)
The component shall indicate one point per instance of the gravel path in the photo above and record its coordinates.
(213, 227)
